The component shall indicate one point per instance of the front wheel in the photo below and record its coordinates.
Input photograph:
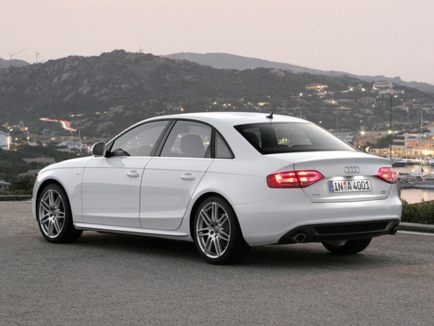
(54, 215)
(216, 232)
(347, 247)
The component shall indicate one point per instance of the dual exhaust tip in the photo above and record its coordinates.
(299, 237)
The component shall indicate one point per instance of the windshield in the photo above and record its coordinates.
(287, 137)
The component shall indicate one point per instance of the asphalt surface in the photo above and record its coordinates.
(125, 280)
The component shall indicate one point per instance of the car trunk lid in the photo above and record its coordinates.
(348, 176)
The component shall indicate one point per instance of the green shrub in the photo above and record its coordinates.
(418, 213)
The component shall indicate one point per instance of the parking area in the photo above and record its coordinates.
(117, 279)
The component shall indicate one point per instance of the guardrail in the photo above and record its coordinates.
(15, 197)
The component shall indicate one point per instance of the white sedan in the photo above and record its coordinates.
(226, 181)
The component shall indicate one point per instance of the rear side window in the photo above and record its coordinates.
(288, 137)
(222, 149)
(188, 139)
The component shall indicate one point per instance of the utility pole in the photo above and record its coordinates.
(337, 119)
(390, 126)
(421, 138)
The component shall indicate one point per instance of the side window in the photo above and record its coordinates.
(222, 149)
(139, 141)
(188, 139)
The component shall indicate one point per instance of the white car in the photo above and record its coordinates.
(226, 181)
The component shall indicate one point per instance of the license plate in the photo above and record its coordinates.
(350, 185)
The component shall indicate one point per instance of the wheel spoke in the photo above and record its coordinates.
(208, 244)
(56, 225)
(60, 214)
(223, 235)
(51, 197)
(57, 202)
(44, 219)
(218, 249)
(45, 205)
(205, 217)
(214, 212)
(222, 220)
(50, 228)
(202, 232)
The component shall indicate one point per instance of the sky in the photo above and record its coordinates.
(389, 37)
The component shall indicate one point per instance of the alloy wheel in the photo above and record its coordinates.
(213, 230)
(51, 213)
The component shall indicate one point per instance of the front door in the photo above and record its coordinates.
(111, 184)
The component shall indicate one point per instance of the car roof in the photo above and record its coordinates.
(232, 118)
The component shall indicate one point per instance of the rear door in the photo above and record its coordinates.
(170, 179)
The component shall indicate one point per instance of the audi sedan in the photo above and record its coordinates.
(225, 181)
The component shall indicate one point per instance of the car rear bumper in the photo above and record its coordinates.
(277, 218)
(340, 231)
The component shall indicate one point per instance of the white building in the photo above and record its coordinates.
(381, 85)
(5, 141)
(4, 186)
(74, 146)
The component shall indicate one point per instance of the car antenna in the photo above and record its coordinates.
(270, 116)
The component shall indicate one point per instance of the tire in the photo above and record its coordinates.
(54, 215)
(216, 232)
(347, 247)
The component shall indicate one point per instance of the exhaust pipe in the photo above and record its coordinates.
(299, 237)
(394, 230)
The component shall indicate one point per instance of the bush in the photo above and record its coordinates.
(418, 213)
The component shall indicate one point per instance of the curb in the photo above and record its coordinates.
(416, 227)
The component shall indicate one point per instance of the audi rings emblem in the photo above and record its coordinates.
(352, 169)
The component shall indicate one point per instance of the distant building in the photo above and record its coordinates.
(316, 87)
(5, 141)
(420, 141)
(381, 85)
(319, 89)
(73, 146)
(409, 146)
(4, 186)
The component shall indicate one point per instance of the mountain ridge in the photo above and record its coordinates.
(105, 94)
(4, 64)
(221, 60)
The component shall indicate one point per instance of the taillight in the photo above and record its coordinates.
(293, 179)
(388, 174)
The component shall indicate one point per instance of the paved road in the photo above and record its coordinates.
(117, 280)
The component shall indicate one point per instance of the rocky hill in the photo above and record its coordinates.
(106, 93)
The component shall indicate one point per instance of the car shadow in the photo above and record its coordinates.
(306, 256)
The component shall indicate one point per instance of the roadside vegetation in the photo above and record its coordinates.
(418, 213)
(19, 167)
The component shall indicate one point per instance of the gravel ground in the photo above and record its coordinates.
(118, 280)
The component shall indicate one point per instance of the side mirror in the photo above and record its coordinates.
(98, 149)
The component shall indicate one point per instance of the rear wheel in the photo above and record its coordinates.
(216, 232)
(347, 247)
(54, 215)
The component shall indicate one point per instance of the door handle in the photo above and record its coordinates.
(132, 174)
(187, 176)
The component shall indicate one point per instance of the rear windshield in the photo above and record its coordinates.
(287, 137)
